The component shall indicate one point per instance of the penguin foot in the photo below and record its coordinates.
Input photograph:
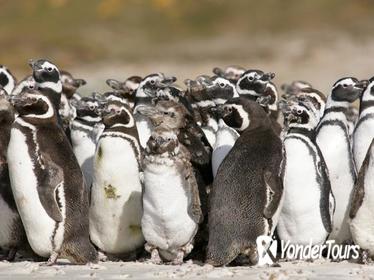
(364, 257)
(11, 254)
(102, 256)
(52, 259)
(179, 258)
(155, 257)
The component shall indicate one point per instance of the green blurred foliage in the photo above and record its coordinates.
(87, 31)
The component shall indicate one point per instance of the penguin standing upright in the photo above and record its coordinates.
(306, 215)
(171, 201)
(116, 195)
(334, 141)
(364, 131)
(7, 80)
(142, 98)
(12, 233)
(246, 196)
(85, 130)
(46, 179)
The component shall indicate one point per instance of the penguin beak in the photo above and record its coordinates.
(78, 83)
(362, 84)
(34, 65)
(218, 71)
(167, 81)
(267, 77)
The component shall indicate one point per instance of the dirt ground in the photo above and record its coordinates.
(320, 269)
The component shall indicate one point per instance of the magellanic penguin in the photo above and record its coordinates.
(364, 130)
(69, 88)
(47, 182)
(27, 83)
(306, 215)
(361, 212)
(333, 139)
(257, 86)
(85, 131)
(247, 191)
(116, 195)
(124, 90)
(231, 73)
(142, 98)
(172, 213)
(7, 79)
(12, 232)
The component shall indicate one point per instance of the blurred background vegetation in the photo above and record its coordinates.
(292, 37)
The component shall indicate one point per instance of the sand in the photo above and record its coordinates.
(319, 269)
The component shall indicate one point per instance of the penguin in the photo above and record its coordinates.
(256, 85)
(69, 88)
(124, 90)
(364, 130)
(149, 83)
(116, 195)
(27, 83)
(361, 212)
(12, 232)
(295, 87)
(85, 130)
(333, 139)
(7, 79)
(231, 73)
(171, 205)
(247, 191)
(47, 183)
(307, 211)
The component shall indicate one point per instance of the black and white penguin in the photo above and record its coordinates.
(116, 194)
(171, 203)
(124, 90)
(361, 211)
(85, 131)
(27, 83)
(232, 72)
(12, 232)
(47, 182)
(7, 79)
(364, 129)
(246, 195)
(306, 215)
(257, 86)
(333, 139)
(142, 98)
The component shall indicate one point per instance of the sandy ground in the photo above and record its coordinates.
(320, 269)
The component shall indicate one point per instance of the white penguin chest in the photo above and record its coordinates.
(144, 126)
(166, 222)
(39, 226)
(300, 219)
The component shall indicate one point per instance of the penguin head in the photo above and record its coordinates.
(231, 73)
(301, 114)
(117, 113)
(44, 71)
(348, 89)
(6, 109)
(152, 82)
(70, 84)
(28, 83)
(162, 141)
(87, 109)
(7, 80)
(369, 91)
(294, 88)
(221, 90)
(241, 114)
(34, 106)
(253, 82)
(122, 91)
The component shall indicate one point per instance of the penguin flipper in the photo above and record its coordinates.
(194, 206)
(50, 184)
(359, 187)
(275, 185)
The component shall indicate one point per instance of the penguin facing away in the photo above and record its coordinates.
(12, 232)
(171, 202)
(47, 183)
(306, 215)
(334, 142)
(364, 130)
(246, 196)
(116, 196)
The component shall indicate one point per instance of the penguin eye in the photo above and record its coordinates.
(91, 107)
(250, 78)
(31, 86)
(166, 113)
(152, 82)
(222, 85)
(345, 85)
(49, 69)
(299, 112)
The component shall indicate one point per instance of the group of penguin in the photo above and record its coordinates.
(150, 167)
